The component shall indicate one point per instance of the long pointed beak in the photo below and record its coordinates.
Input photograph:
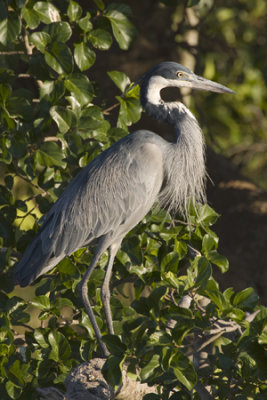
(205, 84)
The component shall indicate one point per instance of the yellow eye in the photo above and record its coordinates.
(180, 74)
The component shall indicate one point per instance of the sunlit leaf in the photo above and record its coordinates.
(31, 17)
(63, 117)
(247, 298)
(184, 371)
(74, 10)
(50, 154)
(100, 39)
(219, 260)
(149, 369)
(60, 348)
(84, 56)
(9, 28)
(40, 40)
(85, 23)
(80, 88)
(40, 338)
(59, 31)
(58, 56)
(47, 12)
(122, 28)
(120, 79)
(42, 302)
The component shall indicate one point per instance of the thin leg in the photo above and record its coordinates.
(105, 290)
(83, 288)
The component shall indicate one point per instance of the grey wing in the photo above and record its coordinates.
(109, 196)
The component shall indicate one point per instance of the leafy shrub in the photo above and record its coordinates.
(185, 334)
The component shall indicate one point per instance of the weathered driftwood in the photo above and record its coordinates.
(86, 382)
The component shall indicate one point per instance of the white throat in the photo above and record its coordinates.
(156, 84)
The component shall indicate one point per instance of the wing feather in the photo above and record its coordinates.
(116, 186)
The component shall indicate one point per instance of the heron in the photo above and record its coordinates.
(115, 191)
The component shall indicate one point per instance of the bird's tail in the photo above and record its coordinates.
(34, 263)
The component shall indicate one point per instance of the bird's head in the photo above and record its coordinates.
(172, 74)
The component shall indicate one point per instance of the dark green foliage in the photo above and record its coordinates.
(50, 128)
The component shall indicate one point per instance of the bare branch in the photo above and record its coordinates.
(107, 110)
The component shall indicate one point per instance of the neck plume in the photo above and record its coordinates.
(185, 172)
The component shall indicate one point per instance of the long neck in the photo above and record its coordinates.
(185, 172)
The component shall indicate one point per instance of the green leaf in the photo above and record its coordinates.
(209, 242)
(6, 196)
(83, 56)
(155, 297)
(42, 302)
(13, 303)
(184, 370)
(15, 370)
(123, 30)
(262, 339)
(192, 3)
(47, 12)
(169, 262)
(215, 295)
(18, 144)
(123, 8)
(40, 339)
(5, 92)
(63, 117)
(121, 80)
(52, 91)
(171, 279)
(50, 154)
(114, 344)
(219, 260)
(204, 272)
(63, 302)
(112, 370)
(206, 215)
(9, 181)
(85, 23)
(100, 4)
(74, 10)
(181, 248)
(66, 267)
(14, 391)
(130, 112)
(58, 56)
(100, 39)
(31, 17)
(236, 314)
(80, 88)
(21, 205)
(19, 106)
(60, 346)
(40, 40)
(247, 298)
(59, 31)
(9, 28)
(148, 371)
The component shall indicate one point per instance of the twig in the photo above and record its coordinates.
(28, 47)
(11, 53)
(25, 215)
(31, 183)
(217, 333)
(107, 110)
